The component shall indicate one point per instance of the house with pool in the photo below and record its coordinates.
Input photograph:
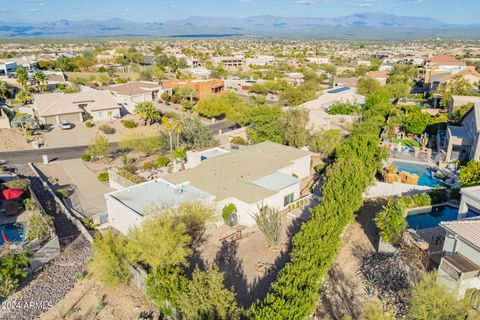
(460, 263)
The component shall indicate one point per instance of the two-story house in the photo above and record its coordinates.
(463, 142)
(460, 264)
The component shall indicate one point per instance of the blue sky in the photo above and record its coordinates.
(460, 11)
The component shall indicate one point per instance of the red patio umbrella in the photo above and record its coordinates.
(11, 194)
(4, 236)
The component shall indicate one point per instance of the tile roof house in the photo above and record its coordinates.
(460, 265)
(131, 93)
(266, 174)
(50, 108)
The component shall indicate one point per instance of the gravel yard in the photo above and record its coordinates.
(57, 278)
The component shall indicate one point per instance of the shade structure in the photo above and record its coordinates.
(11, 194)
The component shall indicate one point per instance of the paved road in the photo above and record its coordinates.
(66, 153)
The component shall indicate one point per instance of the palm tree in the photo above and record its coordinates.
(23, 97)
(169, 126)
(40, 80)
(22, 77)
(147, 112)
(178, 127)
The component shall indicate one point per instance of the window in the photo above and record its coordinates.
(288, 199)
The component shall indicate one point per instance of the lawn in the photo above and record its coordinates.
(406, 142)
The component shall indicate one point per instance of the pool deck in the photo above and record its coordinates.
(429, 163)
(425, 209)
(435, 237)
(22, 217)
(396, 189)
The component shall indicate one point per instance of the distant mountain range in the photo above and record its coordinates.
(368, 25)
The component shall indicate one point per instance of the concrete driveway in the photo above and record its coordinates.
(89, 191)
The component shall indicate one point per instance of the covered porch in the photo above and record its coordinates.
(458, 273)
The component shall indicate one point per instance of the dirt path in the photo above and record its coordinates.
(88, 301)
(344, 293)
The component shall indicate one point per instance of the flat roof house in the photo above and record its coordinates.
(202, 88)
(50, 108)
(266, 174)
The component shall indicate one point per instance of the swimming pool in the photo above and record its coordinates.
(429, 218)
(424, 173)
(15, 232)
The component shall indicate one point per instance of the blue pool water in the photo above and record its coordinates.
(434, 216)
(14, 232)
(422, 171)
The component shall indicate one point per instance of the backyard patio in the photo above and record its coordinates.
(246, 259)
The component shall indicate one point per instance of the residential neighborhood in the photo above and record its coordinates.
(176, 162)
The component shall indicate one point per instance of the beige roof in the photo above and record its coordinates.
(231, 175)
(52, 104)
(468, 229)
(134, 88)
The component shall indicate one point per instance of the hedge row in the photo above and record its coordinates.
(295, 293)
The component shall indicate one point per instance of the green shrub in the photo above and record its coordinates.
(109, 263)
(89, 124)
(320, 168)
(407, 202)
(39, 226)
(107, 129)
(149, 165)
(130, 124)
(18, 184)
(422, 200)
(12, 267)
(239, 140)
(88, 223)
(103, 177)
(29, 204)
(86, 157)
(162, 161)
(391, 222)
(63, 193)
(227, 211)
(132, 177)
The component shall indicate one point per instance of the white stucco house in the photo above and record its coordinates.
(131, 93)
(463, 142)
(460, 264)
(266, 174)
